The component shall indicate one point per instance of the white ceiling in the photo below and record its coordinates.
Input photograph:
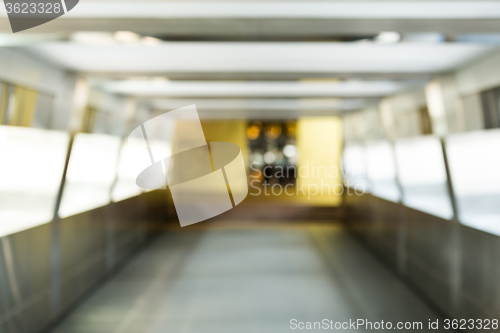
(258, 45)
(257, 99)
(272, 108)
(254, 88)
(259, 57)
(287, 9)
(255, 104)
(271, 18)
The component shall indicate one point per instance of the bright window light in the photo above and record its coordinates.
(382, 170)
(161, 148)
(474, 166)
(91, 173)
(31, 168)
(422, 175)
(354, 166)
(134, 158)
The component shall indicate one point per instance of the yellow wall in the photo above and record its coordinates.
(4, 95)
(228, 131)
(24, 107)
(319, 143)
(319, 140)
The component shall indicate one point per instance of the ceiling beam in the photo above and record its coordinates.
(262, 29)
(210, 57)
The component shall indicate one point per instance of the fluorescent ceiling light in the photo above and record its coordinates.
(253, 88)
(127, 37)
(388, 37)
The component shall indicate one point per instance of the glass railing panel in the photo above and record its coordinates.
(134, 158)
(382, 170)
(422, 175)
(31, 168)
(354, 168)
(474, 160)
(91, 173)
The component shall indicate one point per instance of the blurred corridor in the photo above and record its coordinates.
(255, 278)
(249, 166)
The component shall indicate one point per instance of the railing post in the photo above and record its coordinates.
(55, 244)
(456, 242)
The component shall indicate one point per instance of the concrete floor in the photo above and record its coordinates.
(247, 280)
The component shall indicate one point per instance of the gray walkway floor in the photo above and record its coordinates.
(247, 280)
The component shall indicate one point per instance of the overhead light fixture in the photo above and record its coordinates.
(127, 37)
(388, 37)
(159, 79)
(150, 41)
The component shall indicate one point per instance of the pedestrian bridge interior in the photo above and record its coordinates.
(369, 133)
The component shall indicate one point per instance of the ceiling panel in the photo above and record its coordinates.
(230, 89)
(191, 57)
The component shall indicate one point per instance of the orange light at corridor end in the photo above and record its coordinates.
(253, 132)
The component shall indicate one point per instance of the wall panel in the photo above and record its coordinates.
(36, 288)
